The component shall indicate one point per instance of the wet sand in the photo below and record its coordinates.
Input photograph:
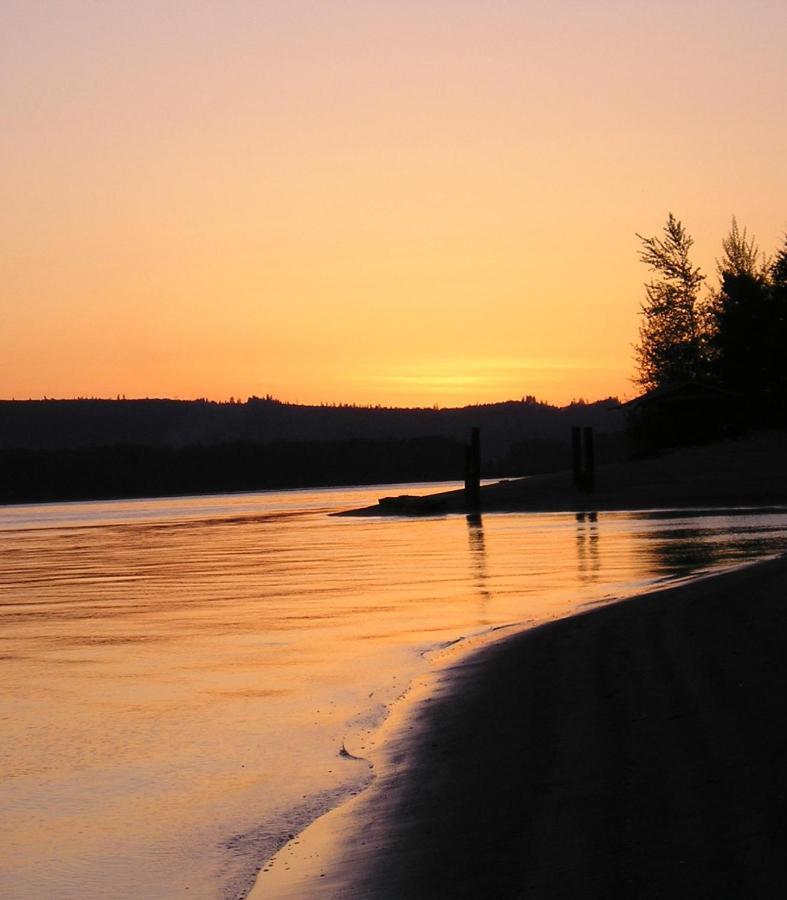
(636, 750)
(750, 471)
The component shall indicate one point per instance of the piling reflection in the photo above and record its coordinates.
(587, 541)
(478, 560)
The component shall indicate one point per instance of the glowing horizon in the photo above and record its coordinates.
(367, 204)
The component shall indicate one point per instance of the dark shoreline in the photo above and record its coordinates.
(635, 750)
(750, 471)
(133, 471)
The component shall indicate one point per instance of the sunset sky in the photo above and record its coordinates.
(399, 201)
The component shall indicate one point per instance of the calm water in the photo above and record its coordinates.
(179, 677)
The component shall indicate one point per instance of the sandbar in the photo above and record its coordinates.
(748, 471)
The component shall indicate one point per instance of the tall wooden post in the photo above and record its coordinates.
(473, 472)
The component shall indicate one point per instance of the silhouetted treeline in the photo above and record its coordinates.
(747, 332)
(28, 476)
(71, 424)
(137, 471)
(716, 360)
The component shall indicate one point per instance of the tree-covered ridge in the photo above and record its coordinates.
(64, 424)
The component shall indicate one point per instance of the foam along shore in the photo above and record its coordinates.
(636, 750)
(750, 471)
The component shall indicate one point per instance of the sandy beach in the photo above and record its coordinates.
(636, 750)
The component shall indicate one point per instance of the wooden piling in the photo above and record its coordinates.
(473, 472)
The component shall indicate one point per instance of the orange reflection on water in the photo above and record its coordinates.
(180, 677)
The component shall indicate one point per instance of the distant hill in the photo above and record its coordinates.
(87, 449)
(74, 424)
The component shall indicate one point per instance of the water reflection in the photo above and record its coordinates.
(587, 539)
(477, 545)
(680, 543)
(174, 673)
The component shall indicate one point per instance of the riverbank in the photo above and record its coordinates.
(750, 471)
(636, 750)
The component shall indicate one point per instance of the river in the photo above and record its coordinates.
(187, 682)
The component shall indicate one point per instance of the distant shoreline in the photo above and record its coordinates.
(102, 449)
(238, 493)
(127, 472)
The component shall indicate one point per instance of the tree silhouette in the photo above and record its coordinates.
(778, 268)
(778, 324)
(742, 313)
(673, 343)
(741, 255)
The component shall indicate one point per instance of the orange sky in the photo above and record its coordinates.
(397, 202)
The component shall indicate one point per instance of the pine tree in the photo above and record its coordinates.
(778, 268)
(778, 323)
(673, 344)
(741, 310)
(749, 317)
(741, 255)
